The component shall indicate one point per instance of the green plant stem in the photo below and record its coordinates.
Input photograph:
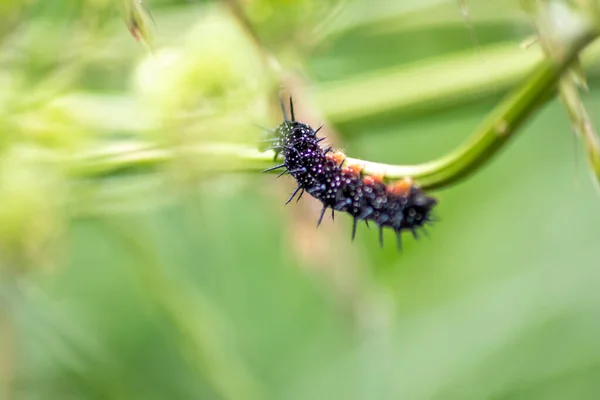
(500, 126)
(489, 138)
(496, 130)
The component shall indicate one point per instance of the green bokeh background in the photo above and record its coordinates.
(176, 284)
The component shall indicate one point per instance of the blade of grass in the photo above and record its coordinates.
(428, 86)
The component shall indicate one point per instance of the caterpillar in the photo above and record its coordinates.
(320, 172)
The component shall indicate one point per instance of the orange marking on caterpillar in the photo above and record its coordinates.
(338, 157)
(373, 179)
(354, 170)
(401, 187)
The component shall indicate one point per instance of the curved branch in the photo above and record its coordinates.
(495, 131)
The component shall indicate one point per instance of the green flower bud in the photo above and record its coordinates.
(215, 77)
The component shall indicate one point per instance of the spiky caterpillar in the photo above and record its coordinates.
(400, 206)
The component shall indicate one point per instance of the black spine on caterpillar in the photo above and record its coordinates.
(344, 189)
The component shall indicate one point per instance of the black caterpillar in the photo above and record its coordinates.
(320, 172)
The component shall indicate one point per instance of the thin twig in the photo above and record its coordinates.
(571, 82)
